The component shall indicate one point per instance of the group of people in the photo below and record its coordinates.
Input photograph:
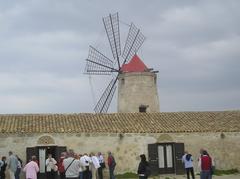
(73, 166)
(205, 164)
(13, 164)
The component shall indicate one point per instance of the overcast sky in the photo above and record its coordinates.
(195, 45)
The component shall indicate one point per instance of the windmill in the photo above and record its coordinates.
(99, 64)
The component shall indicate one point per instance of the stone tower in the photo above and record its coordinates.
(137, 88)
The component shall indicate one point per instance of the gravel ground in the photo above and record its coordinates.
(236, 176)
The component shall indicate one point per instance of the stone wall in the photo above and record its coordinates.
(224, 147)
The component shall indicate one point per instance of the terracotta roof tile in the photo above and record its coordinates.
(224, 121)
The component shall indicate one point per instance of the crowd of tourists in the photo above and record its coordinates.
(83, 166)
(69, 166)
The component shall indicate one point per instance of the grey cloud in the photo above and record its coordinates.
(44, 44)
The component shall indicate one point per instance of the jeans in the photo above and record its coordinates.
(87, 174)
(50, 175)
(100, 173)
(188, 171)
(62, 175)
(111, 172)
(205, 174)
(80, 175)
(17, 173)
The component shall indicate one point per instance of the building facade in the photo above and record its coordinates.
(163, 137)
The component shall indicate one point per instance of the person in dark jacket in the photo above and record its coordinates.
(143, 168)
(3, 168)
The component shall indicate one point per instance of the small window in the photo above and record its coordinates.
(143, 108)
(123, 81)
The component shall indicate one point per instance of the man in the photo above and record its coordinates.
(102, 165)
(31, 169)
(71, 166)
(111, 165)
(50, 166)
(188, 163)
(12, 164)
(85, 160)
(94, 163)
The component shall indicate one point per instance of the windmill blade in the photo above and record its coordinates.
(98, 64)
(111, 24)
(106, 98)
(134, 41)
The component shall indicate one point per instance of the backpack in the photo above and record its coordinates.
(113, 162)
(148, 171)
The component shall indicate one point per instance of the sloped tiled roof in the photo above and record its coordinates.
(224, 121)
(134, 65)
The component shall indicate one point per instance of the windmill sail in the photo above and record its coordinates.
(106, 98)
(134, 41)
(111, 24)
(98, 64)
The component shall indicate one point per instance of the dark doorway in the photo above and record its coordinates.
(165, 158)
(41, 152)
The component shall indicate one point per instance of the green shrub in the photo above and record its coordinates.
(127, 175)
(225, 172)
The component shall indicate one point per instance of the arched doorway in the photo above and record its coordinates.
(46, 145)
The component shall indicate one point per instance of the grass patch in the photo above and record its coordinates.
(225, 172)
(127, 175)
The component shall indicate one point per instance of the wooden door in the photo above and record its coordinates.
(179, 152)
(153, 158)
(165, 158)
(30, 151)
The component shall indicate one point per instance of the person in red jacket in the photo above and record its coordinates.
(205, 163)
(61, 166)
(111, 165)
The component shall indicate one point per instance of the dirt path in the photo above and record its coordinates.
(236, 176)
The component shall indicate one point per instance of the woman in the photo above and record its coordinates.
(19, 168)
(31, 169)
(205, 164)
(61, 166)
(143, 168)
(188, 163)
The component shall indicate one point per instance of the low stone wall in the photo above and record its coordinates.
(224, 147)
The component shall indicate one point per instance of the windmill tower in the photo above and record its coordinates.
(141, 80)
(137, 88)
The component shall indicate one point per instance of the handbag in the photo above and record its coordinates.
(55, 168)
(103, 165)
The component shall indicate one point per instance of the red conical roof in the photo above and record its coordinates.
(134, 65)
